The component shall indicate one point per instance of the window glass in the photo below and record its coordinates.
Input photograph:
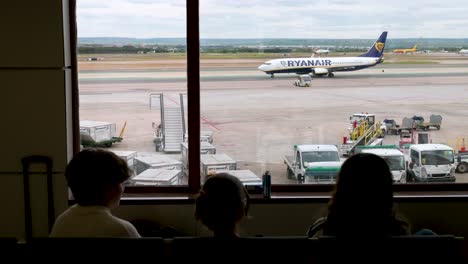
(395, 162)
(132, 80)
(437, 157)
(395, 60)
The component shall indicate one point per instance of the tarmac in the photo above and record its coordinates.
(256, 119)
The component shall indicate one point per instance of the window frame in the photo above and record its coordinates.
(193, 113)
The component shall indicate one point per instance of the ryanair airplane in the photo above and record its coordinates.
(327, 66)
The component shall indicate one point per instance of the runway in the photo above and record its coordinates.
(256, 119)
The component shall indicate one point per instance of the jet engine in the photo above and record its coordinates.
(319, 71)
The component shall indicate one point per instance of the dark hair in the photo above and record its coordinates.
(221, 202)
(363, 199)
(91, 172)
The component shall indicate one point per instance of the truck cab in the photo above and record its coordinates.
(394, 158)
(431, 163)
(358, 118)
(313, 163)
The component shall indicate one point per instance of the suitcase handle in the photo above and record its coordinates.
(26, 163)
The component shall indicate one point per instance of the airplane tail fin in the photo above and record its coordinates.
(376, 51)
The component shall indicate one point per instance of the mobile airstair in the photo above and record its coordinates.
(169, 134)
(362, 135)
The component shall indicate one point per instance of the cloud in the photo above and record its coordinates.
(275, 18)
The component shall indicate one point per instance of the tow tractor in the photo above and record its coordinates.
(303, 81)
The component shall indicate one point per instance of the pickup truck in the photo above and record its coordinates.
(313, 163)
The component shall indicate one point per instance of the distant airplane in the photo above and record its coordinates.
(404, 51)
(463, 51)
(318, 51)
(327, 66)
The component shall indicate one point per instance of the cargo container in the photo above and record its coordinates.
(205, 148)
(129, 156)
(212, 163)
(99, 134)
(247, 177)
(157, 177)
(143, 163)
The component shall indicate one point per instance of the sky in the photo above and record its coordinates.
(333, 19)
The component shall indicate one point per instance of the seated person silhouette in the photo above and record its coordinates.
(221, 204)
(96, 178)
(362, 203)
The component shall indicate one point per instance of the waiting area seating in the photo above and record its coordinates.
(276, 249)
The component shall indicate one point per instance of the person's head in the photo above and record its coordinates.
(363, 191)
(222, 202)
(96, 177)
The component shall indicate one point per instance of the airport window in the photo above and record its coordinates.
(275, 94)
(132, 63)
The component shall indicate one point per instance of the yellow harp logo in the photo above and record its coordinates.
(379, 46)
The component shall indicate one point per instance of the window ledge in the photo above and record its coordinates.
(290, 198)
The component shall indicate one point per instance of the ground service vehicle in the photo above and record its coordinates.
(392, 127)
(313, 163)
(363, 131)
(303, 81)
(431, 163)
(394, 158)
(405, 138)
(435, 121)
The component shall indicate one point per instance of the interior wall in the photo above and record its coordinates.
(294, 219)
(34, 76)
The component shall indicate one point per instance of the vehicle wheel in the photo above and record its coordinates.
(290, 173)
(438, 127)
(108, 145)
(331, 75)
(425, 128)
(462, 167)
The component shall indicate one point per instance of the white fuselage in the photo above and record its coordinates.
(317, 65)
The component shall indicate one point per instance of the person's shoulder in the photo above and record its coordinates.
(128, 227)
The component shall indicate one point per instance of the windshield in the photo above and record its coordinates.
(437, 157)
(395, 162)
(359, 118)
(320, 156)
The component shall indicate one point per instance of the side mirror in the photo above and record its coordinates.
(459, 159)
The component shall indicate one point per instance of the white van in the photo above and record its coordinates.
(395, 160)
(431, 163)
